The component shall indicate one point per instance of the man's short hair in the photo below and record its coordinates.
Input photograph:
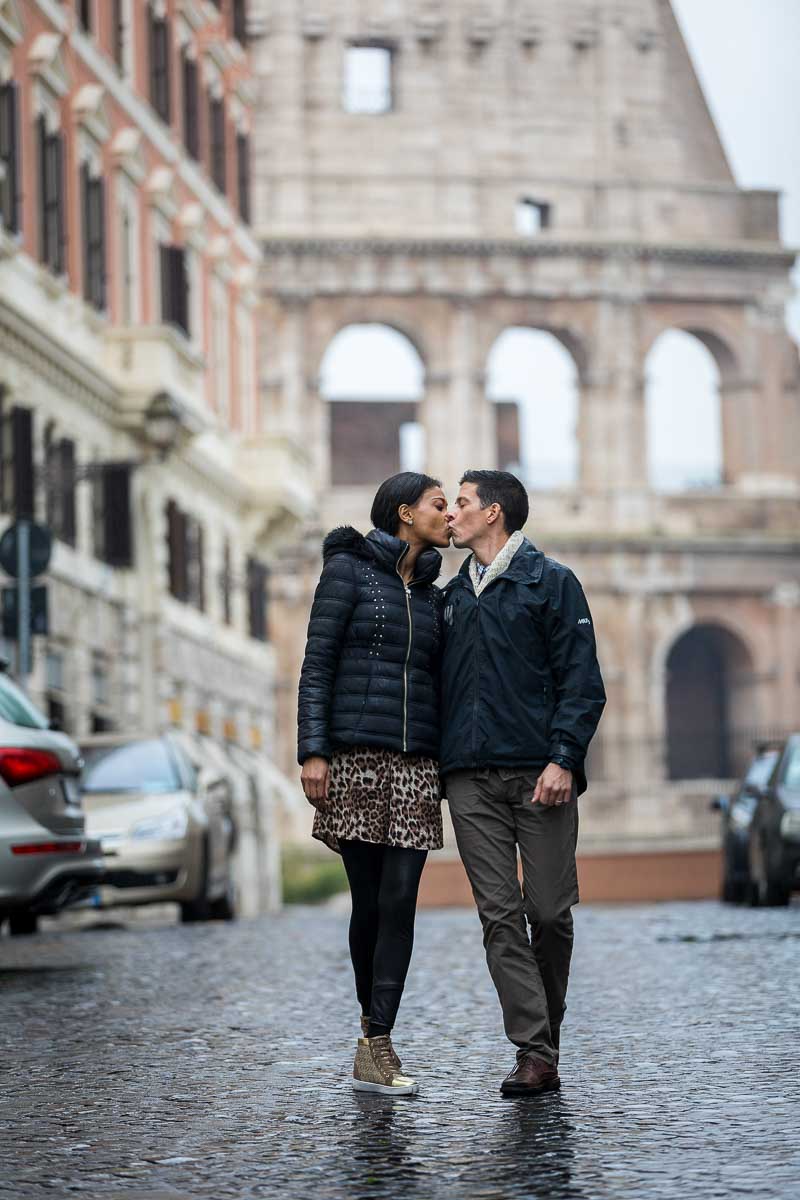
(503, 488)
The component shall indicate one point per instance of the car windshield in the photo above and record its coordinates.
(145, 766)
(17, 708)
(761, 769)
(791, 777)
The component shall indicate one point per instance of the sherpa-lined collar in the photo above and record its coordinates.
(499, 564)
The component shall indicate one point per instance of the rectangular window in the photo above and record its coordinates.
(191, 106)
(186, 557)
(159, 47)
(368, 80)
(174, 288)
(220, 342)
(119, 34)
(243, 175)
(84, 11)
(17, 493)
(226, 584)
(52, 225)
(531, 216)
(239, 20)
(10, 173)
(94, 238)
(257, 576)
(111, 515)
(216, 130)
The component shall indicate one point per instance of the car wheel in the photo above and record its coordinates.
(224, 907)
(22, 923)
(734, 891)
(199, 909)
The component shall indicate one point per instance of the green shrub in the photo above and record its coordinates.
(308, 878)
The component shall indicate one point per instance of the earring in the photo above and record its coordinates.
(411, 520)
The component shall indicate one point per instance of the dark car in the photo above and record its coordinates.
(774, 844)
(737, 813)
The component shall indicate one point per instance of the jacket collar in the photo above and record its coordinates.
(388, 551)
(525, 567)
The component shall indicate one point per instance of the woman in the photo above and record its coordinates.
(369, 739)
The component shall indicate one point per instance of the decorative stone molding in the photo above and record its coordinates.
(481, 28)
(46, 61)
(160, 191)
(89, 110)
(530, 29)
(127, 154)
(11, 28)
(428, 26)
(314, 26)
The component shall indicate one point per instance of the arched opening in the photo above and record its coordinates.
(684, 428)
(533, 382)
(710, 704)
(372, 379)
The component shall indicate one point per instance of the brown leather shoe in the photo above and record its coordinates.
(530, 1077)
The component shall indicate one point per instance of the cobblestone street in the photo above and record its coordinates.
(213, 1061)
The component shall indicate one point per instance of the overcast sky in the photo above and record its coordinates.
(747, 55)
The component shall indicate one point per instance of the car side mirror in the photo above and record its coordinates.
(720, 803)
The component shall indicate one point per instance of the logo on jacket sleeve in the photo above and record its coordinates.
(448, 614)
(584, 621)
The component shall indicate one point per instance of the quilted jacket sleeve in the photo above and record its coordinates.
(334, 601)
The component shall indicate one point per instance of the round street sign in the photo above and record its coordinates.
(41, 544)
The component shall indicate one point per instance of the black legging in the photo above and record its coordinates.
(384, 881)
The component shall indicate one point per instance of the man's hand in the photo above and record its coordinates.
(314, 778)
(554, 786)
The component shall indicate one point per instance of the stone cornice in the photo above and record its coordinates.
(746, 255)
(38, 350)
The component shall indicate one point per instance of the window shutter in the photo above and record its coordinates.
(41, 129)
(86, 222)
(60, 201)
(201, 570)
(216, 115)
(240, 21)
(10, 197)
(66, 483)
(22, 459)
(191, 123)
(100, 204)
(176, 537)
(166, 283)
(118, 33)
(243, 165)
(117, 532)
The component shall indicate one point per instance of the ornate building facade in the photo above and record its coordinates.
(128, 297)
(455, 170)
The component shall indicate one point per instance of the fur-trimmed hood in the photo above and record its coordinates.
(381, 548)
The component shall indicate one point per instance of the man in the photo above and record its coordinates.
(522, 695)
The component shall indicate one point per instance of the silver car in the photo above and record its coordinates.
(46, 860)
(165, 822)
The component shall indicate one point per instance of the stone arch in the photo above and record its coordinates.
(535, 409)
(718, 332)
(710, 702)
(561, 325)
(682, 392)
(371, 388)
(359, 312)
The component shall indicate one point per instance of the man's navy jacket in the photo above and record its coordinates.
(521, 684)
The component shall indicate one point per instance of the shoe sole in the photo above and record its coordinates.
(384, 1089)
(527, 1091)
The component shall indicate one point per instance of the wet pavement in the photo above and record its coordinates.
(213, 1061)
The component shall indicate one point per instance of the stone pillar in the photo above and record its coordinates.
(458, 418)
(611, 422)
(742, 435)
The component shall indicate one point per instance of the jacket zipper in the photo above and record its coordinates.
(407, 591)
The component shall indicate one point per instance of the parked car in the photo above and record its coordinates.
(165, 824)
(737, 813)
(774, 844)
(46, 859)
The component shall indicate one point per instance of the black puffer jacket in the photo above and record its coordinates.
(371, 667)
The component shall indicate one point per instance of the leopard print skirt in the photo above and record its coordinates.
(381, 796)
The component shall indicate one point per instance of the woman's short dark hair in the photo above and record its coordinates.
(503, 488)
(405, 488)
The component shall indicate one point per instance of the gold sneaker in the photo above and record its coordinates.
(394, 1056)
(373, 1070)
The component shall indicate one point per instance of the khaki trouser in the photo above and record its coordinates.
(492, 816)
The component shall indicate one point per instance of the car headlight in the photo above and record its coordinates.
(168, 827)
(790, 823)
